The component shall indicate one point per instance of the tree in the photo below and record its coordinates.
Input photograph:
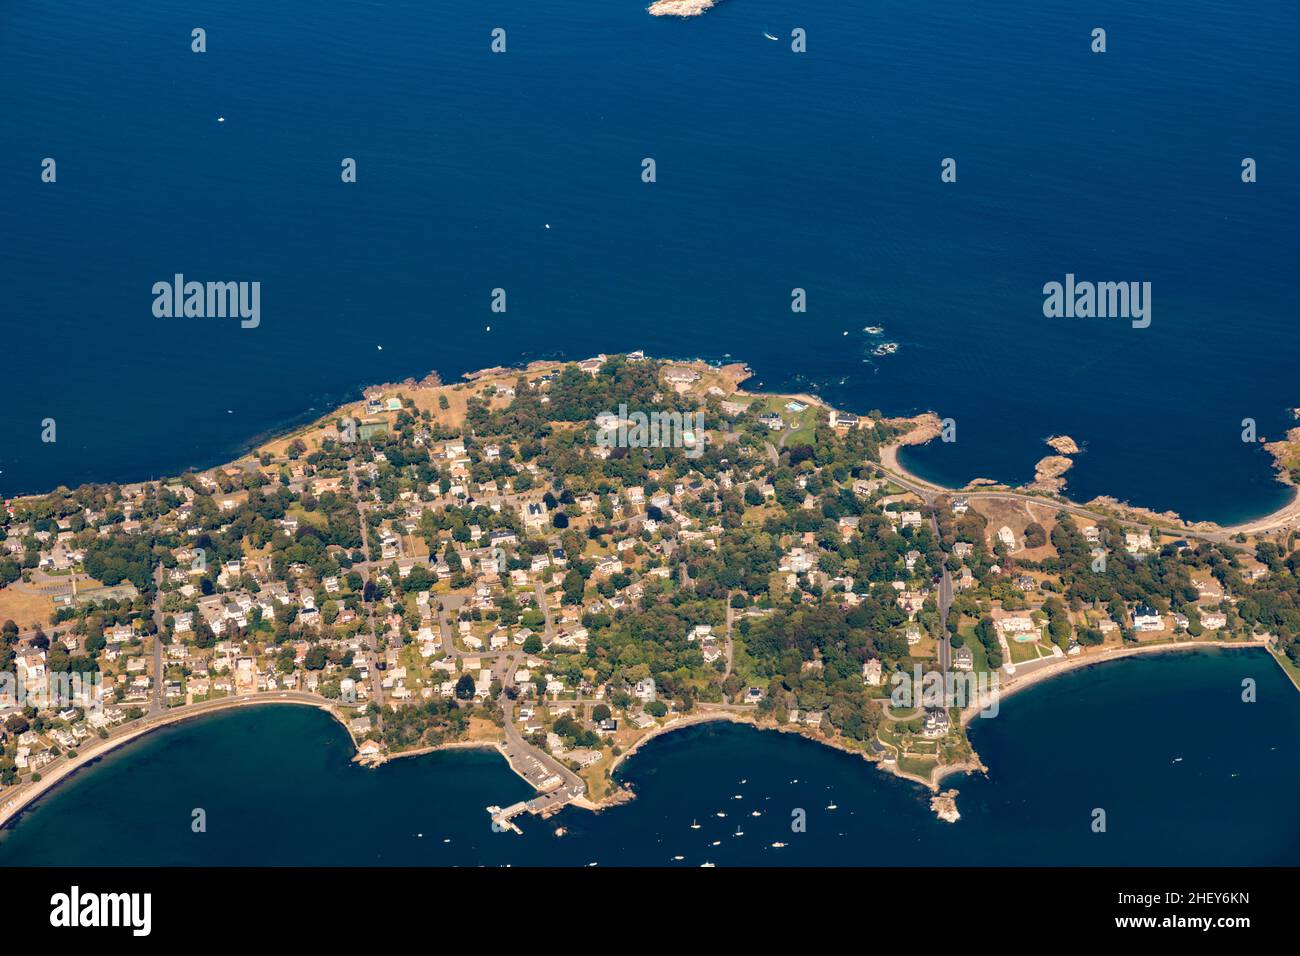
(532, 644)
(1058, 622)
(16, 724)
(465, 687)
(573, 587)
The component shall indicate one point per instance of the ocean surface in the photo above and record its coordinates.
(775, 170)
(1185, 772)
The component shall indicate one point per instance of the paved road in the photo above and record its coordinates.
(730, 647)
(156, 701)
(533, 764)
(944, 601)
(545, 607)
(445, 631)
(372, 639)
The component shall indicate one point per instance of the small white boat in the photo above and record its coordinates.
(679, 857)
(757, 813)
(1178, 760)
(778, 844)
(706, 866)
(739, 832)
(695, 824)
(832, 806)
(768, 35)
(717, 843)
(721, 814)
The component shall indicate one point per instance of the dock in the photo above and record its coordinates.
(543, 805)
(503, 820)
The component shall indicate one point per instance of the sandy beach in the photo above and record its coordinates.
(1067, 664)
(16, 801)
(20, 797)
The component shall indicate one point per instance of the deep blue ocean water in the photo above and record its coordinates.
(277, 788)
(775, 170)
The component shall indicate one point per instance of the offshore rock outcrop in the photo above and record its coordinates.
(680, 8)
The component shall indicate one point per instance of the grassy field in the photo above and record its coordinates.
(1291, 669)
(1022, 653)
(926, 648)
(979, 656)
(316, 519)
(25, 608)
(920, 766)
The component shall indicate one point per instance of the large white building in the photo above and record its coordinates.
(1147, 619)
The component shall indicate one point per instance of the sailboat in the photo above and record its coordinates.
(695, 824)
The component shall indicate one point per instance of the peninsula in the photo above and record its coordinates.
(563, 560)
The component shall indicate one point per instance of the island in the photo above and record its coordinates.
(563, 560)
(680, 8)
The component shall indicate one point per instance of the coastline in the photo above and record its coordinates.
(87, 757)
(16, 803)
(926, 430)
(1067, 665)
(623, 794)
(374, 762)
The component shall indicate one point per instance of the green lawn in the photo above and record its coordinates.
(1020, 653)
(920, 766)
(978, 654)
(1291, 669)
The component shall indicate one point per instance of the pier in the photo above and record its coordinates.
(543, 805)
